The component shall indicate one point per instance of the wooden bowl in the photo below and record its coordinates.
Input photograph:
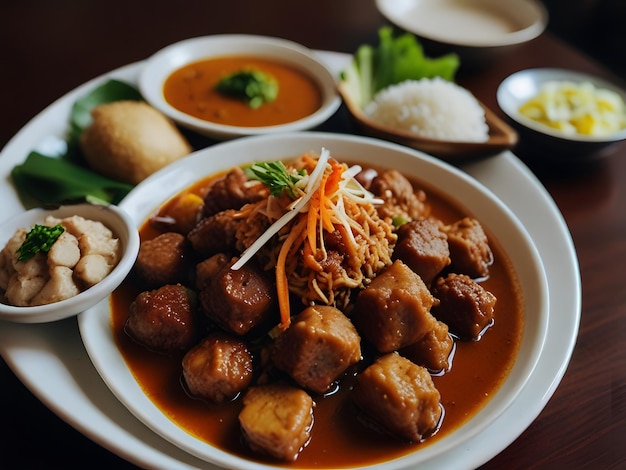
(501, 135)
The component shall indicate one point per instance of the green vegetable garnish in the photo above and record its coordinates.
(277, 178)
(398, 220)
(393, 61)
(252, 86)
(40, 238)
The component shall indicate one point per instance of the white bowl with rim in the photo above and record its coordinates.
(477, 30)
(101, 345)
(123, 228)
(164, 62)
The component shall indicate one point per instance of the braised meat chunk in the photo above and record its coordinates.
(214, 234)
(163, 320)
(399, 396)
(207, 269)
(394, 310)
(218, 369)
(401, 199)
(464, 305)
(238, 300)
(433, 351)
(276, 420)
(469, 248)
(319, 345)
(231, 192)
(423, 247)
(163, 260)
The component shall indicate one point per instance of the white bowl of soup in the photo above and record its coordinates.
(227, 86)
(485, 374)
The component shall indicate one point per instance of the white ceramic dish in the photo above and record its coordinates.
(75, 392)
(494, 216)
(521, 86)
(112, 217)
(167, 60)
(475, 29)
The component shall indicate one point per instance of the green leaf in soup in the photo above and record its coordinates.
(51, 181)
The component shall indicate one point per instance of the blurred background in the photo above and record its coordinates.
(597, 27)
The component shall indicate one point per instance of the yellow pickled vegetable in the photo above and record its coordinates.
(577, 109)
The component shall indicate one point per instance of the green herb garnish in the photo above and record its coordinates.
(394, 60)
(277, 178)
(40, 238)
(252, 86)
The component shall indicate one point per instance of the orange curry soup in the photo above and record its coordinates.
(191, 89)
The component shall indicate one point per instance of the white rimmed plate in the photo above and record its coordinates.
(73, 390)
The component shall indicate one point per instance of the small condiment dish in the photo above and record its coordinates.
(518, 88)
(115, 219)
(166, 61)
(501, 135)
(477, 30)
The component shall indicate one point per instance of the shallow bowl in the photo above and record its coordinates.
(117, 220)
(101, 345)
(159, 67)
(477, 30)
(501, 135)
(553, 144)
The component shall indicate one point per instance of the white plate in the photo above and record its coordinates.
(75, 392)
(95, 327)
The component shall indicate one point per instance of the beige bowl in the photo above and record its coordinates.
(477, 30)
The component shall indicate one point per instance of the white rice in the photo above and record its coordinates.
(434, 108)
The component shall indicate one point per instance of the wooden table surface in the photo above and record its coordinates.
(49, 48)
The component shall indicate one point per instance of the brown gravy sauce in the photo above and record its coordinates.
(339, 438)
(191, 89)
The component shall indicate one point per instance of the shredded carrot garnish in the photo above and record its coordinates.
(282, 284)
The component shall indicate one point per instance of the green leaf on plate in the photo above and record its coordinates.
(50, 181)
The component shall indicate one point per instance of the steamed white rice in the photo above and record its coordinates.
(433, 108)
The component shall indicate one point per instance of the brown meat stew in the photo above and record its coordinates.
(434, 320)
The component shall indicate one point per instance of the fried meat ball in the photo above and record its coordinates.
(163, 260)
(163, 320)
(130, 140)
(218, 368)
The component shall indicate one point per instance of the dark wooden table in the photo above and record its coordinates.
(49, 48)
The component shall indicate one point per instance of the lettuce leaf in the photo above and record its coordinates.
(394, 60)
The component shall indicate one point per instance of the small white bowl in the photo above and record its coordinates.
(519, 87)
(167, 60)
(477, 30)
(115, 219)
